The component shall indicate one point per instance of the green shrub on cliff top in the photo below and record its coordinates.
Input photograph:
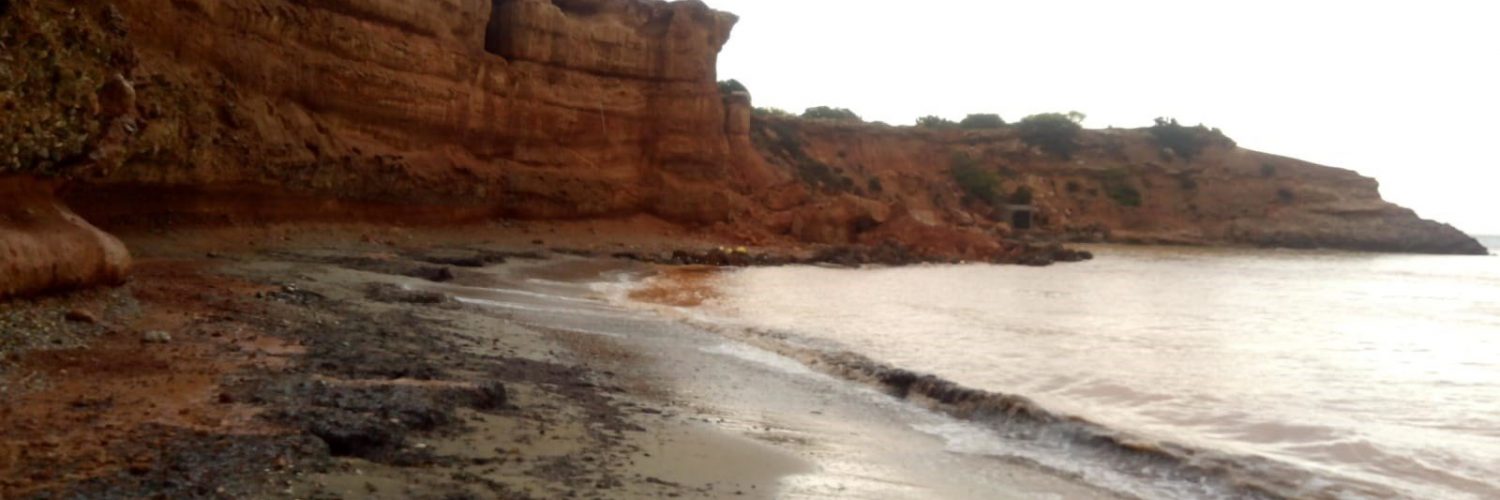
(731, 86)
(976, 182)
(1055, 133)
(936, 122)
(774, 113)
(980, 121)
(827, 113)
(1186, 142)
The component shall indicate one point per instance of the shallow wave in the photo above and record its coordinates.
(761, 357)
(1165, 464)
(1014, 427)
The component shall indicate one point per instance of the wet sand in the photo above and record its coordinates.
(313, 368)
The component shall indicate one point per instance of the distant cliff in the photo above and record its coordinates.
(1119, 185)
(446, 111)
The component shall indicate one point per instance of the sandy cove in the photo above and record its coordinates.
(289, 362)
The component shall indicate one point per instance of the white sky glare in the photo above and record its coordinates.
(1406, 92)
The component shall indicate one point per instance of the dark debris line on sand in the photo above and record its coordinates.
(385, 372)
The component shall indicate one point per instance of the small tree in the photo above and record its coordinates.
(936, 122)
(731, 86)
(1187, 142)
(976, 182)
(980, 121)
(828, 113)
(1054, 133)
(1022, 196)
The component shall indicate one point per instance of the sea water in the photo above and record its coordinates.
(1366, 369)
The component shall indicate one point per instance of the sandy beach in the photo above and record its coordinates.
(300, 365)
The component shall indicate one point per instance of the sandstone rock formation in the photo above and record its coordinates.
(64, 108)
(44, 246)
(475, 109)
(448, 111)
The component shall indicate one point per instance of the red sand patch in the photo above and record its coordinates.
(689, 286)
(88, 418)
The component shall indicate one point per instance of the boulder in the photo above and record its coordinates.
(45, 247)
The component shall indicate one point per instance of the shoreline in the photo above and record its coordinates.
(392, 363)
(787, 323)
(315, 363)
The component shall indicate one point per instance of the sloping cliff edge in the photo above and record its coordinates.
(141, 112)
(1118, 185)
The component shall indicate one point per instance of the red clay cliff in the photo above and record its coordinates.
(456, 111)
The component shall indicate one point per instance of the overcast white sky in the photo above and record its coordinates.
(1406, 92)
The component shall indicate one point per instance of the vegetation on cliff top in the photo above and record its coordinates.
(980, 121)
(1186, 142)
(829, 113)
(977, 121)
(1055, 133)
(936, 122)
(774, 113)
(731, 86)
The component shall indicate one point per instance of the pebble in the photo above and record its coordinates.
(82, 316)
(156, 337)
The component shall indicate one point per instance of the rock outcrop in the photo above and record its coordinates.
(449, 111)
(65, 108)
(45, 247)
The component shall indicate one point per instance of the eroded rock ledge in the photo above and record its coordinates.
(44, 246)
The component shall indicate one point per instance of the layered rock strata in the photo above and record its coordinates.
(1119, 185)
(451, 111)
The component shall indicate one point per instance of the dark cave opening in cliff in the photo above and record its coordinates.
(494, 31)
(496, 40)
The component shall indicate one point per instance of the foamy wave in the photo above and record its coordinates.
(1014, 427)
(761, 357)
(517, 306)
(512, 291)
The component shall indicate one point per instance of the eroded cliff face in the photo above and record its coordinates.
(468, 108)
(1120, 185)
(413, 111)
(449, 111)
